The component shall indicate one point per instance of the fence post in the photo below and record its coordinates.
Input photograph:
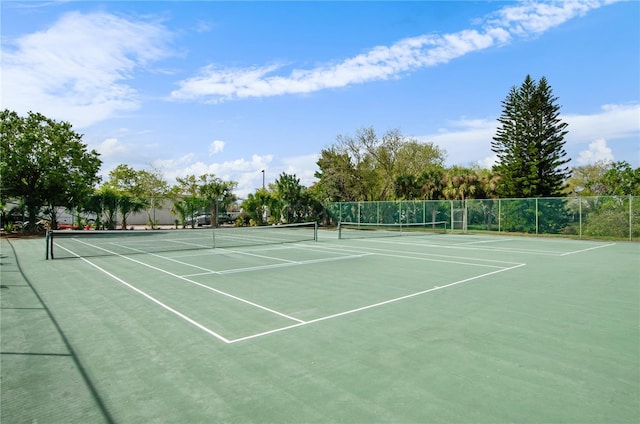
(499, 215)
(630, 217)
(424, 211)
(580, 215)
(536, 216)
(451, 214)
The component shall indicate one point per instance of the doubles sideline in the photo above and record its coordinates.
(297, 322)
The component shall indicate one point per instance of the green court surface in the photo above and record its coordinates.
(415, 329)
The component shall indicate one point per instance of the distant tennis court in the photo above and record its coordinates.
(305, 325)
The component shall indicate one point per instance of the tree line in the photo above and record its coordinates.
(45, 164)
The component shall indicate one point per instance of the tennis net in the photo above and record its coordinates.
(74, 244)
(254, 236)
(352, 230)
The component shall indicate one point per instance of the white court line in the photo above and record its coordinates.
(281, 265)
(423, 256)
(194, 282)
(208, 271)
(151, 298)
(460, 247)
(586, 250)
(259, 256)
(375, 305)
(298, 321)
(486, 241)
(286, 263)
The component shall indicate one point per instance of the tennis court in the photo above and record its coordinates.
(417, 328)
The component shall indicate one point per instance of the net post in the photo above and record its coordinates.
(49, 242)
(315, 231)
(339, 230)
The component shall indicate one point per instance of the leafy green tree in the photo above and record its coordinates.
(415, 157)
(187, 201)
(367, 166)
(406, 187)
(460, 183)
(289, 192)
(93, 206)
(586, 180)
(337, 177)
(529, 142)
(218, 194)
(152, 190)
(123, 179)
(127, 205)
(257, 205)
(105, 205)
(604, 179)
(45, 163)
(621, 180)
(124, 183)
(431, 182)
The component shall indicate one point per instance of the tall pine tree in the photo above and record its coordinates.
(529, 143)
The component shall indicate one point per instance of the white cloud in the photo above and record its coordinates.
(468, 141)
(76, 68)
(488, 162)
(247, 172)
(598, 152)
(465, 141)
(532, 18)
(111, 148)
(214, 84)
(216, 146)
(612, 122)
(303, 167)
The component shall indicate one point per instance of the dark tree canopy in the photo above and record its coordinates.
(44, 163)
(529, 142)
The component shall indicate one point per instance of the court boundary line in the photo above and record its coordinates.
(204, 286)
(375, 305)
(298, 322)
(464, 246)
(282, 262)
(151, 298)
(588, 249)
(412, 255)
(281, 265)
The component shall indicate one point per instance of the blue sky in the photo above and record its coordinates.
(232, 88)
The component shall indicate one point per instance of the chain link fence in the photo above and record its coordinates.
(603, 217)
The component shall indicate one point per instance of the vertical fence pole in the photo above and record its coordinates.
(630, 217)
(499, 215)
(580, 215)
(451, 214)
(536, 216)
